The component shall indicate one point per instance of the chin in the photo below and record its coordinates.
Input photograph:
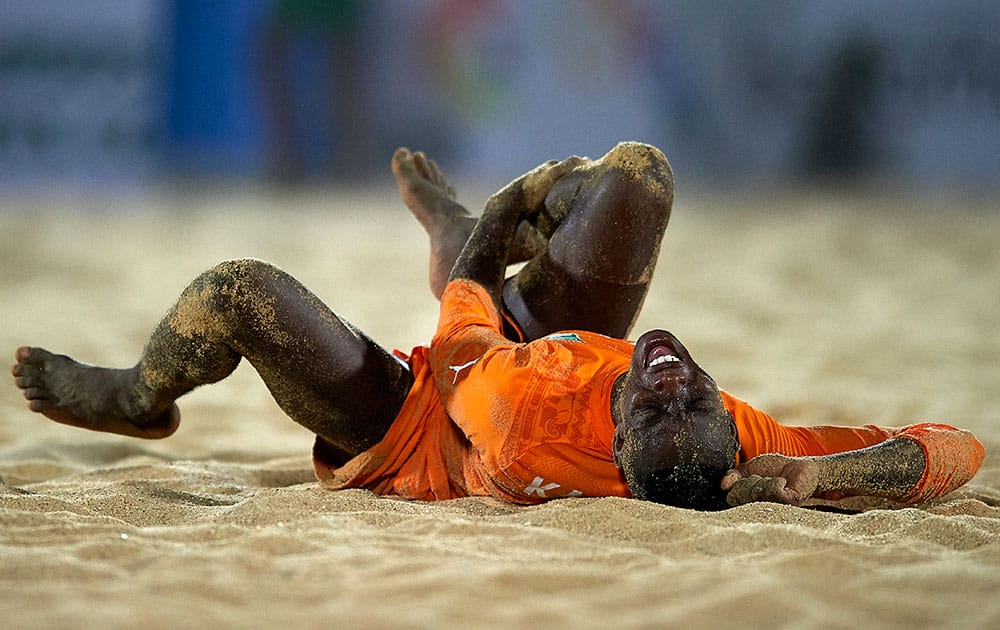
(691, 486)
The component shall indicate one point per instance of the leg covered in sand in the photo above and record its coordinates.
(91, 397)
(424, 190)
(323, 373)
(605, 221)
(592, 250)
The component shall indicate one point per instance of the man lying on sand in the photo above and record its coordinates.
(528, 390)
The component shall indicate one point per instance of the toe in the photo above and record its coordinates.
(420, 163)
(37, 357)
(35, 393)
(433, 172)
(401, 161)
(407, 168)
(25, 375)
(400, 155)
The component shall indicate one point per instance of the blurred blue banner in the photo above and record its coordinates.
(735, 92)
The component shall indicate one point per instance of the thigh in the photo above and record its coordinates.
(594, 275)
(323, 372)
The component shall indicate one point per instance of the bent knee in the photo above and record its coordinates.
(638, 176)
(232, 283)
(242, 269)
(642, 163)
(635, 180)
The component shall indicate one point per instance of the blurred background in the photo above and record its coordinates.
(131, 93)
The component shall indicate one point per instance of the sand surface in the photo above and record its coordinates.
(819, 309)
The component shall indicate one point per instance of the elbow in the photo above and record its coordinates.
(953, 456)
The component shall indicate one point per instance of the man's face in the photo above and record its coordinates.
(670, 412)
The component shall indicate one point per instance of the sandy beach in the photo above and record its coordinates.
(819, 309)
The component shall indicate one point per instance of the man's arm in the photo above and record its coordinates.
(922, 462)
(484, 257)
(890, 469)
(469, 324)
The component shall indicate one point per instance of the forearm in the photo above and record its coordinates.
(922, 462)
(891, 469)
(484, 257)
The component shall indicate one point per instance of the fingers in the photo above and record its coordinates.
(756, 488)
(730, 478)
(556, 169)
(538, 182)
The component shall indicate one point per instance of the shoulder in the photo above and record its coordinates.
(586, 346)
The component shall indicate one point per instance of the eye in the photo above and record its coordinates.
(651, 415)
(702, 404)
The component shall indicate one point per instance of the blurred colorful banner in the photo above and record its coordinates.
(736, 92)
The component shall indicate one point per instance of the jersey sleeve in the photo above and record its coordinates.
(952, 456)
(468, 326)
(759, 433)
(479, 374)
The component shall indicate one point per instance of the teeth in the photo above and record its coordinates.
(667, 358)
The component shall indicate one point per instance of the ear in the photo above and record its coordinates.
(736, 435)
(616, 445)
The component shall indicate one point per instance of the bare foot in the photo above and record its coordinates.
(432, 201)
(427, 194)
(86, 396)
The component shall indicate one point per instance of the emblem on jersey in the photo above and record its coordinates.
(458, 368)
(565, 337)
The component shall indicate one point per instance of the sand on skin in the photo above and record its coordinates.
(819, 309)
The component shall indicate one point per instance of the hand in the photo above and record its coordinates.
(539, 181)
(532, 187)
(774, 478)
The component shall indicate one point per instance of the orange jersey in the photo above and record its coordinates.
(526, 422)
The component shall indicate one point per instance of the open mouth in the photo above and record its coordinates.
(661, 355)
(661, 350)
(662, 364)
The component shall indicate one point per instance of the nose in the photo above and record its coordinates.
(673, 382)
